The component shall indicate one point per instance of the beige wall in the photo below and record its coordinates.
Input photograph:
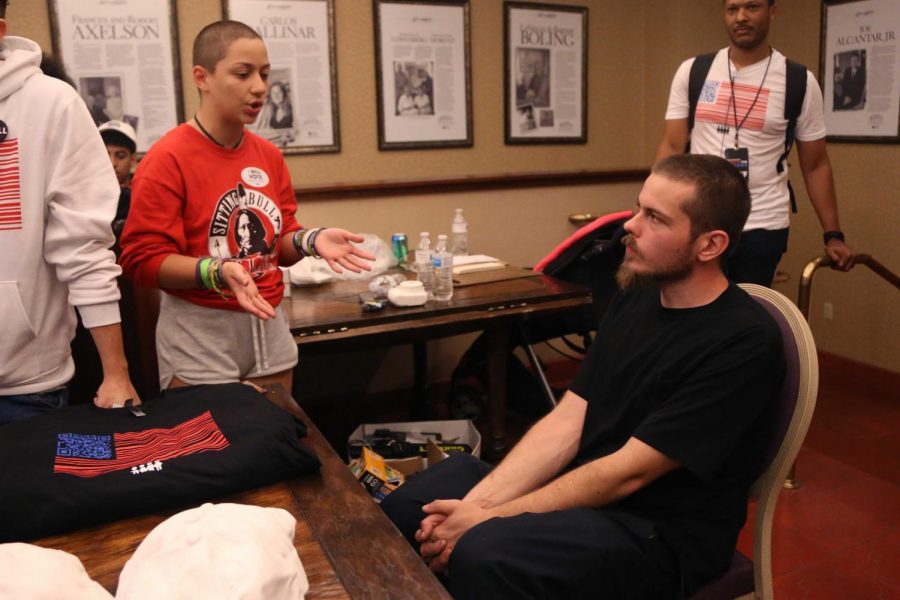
(635, 47)
(361, 161)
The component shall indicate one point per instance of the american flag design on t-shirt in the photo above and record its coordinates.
(92, 455)
(10, 194)
(721, 112)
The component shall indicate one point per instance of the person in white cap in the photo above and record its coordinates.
(57, 199)
(121, 145)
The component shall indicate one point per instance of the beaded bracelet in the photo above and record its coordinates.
(217, 278)
(214, 276)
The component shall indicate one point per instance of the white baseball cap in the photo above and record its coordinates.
(119, 132)
(28, 571)
(224, 551)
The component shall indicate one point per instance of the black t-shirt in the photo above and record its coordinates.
(84, 465)
(699, 386)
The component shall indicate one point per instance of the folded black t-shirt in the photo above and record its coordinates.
(85, 465)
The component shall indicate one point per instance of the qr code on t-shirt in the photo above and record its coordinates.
(710, 91)
(78, 445)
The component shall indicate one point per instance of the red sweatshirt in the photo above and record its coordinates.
(192, 197)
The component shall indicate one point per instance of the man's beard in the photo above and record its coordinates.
(629, 279)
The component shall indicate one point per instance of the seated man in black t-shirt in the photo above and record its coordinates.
(635, 485)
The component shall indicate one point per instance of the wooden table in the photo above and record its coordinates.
(348, 547)
(329, 318)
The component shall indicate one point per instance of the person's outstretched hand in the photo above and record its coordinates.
(336, 247)
(245, 291)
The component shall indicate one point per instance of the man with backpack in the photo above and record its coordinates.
(748, 104)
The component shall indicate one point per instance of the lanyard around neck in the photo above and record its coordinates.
(737, 126)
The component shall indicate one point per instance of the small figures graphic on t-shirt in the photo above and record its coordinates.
(156, 465)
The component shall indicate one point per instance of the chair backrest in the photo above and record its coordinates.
(797, 400)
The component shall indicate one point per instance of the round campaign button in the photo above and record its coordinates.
(4, 131)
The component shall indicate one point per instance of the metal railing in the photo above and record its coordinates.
(803, 300)
(824, 261)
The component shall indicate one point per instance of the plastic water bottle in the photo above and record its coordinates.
(442, 260)
(423, 266)
(460, 230)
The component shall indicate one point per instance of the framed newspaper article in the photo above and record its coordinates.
(859, 67)
(301, 111)
(545, 73)
(124, 62)
(423, 73)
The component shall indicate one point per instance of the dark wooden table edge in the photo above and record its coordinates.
(411, 579)
(339, 336)
(433, 311)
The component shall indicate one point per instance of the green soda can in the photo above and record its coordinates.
(400, 248)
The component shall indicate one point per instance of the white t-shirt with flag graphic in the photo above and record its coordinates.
(763, 128)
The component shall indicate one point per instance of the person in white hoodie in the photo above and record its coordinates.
(58, 195)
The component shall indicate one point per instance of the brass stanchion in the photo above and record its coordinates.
(803, 300)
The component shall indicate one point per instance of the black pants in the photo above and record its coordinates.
(577, 553)
(757, 255)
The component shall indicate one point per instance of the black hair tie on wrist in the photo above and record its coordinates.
(833, 235)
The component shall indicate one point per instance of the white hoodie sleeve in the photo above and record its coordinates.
(82, 194)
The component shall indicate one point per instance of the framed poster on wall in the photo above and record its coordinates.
(124, 62)
(859, 66)
(423, 73)
(301, 111)
(545, 73)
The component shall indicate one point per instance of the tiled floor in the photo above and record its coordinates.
(838, 536)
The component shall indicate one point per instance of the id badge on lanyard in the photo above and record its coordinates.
(740, 158)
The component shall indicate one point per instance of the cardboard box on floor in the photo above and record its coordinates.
(458, 431)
